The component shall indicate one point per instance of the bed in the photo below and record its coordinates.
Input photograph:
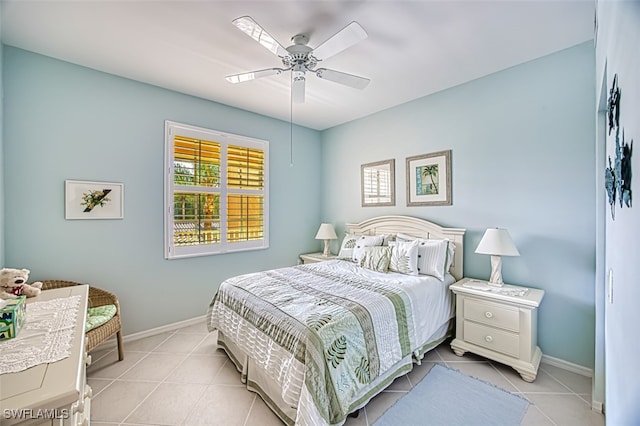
(318, 341)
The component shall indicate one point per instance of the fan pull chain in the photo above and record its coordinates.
(291, 123)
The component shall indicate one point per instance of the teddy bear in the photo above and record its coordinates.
(13, 283)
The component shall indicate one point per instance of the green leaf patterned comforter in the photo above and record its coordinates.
(332, 329)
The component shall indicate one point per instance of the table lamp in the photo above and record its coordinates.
(497, 242)
(326, 232)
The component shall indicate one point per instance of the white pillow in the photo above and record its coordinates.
(347, 246)
(432, 257)
(405, 238)
(365, 241)
(451, 251)
(404, 257)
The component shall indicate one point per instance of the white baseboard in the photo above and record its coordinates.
(597, 406)
(164, 328)
(111, 343)
(566, 365)
(574, 368)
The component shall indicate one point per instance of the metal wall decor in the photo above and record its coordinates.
(618, 174)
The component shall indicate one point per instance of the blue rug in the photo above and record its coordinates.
(448, 397)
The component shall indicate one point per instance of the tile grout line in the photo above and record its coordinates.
(559, 381)
(207, 384)
(133, 365)
(253, 403)
(174, 333)
(438, 359)
(535, 406)
(128, 369)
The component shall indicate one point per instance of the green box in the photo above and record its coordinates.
(12, 317)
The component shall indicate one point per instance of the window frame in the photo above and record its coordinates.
(224, 139)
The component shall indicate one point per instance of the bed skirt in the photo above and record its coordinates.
(259, 382)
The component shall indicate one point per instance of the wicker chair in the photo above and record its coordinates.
(97, 297)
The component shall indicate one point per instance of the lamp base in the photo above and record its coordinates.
(327, 249)
(496, 272)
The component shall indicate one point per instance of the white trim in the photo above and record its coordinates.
(171, 251)
(596, 405)
(566, 365)
(111, 343)
(164, 328)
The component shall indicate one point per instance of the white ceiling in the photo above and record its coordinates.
(414, 48)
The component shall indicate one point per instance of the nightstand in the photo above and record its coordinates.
(498, 325)
(315, 257)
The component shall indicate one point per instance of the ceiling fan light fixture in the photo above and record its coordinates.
(300, 58)
(298, 87)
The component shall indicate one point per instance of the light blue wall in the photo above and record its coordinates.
(2, 179)
(618, 44)
(523, 157)
(68, 122)
(522, 152)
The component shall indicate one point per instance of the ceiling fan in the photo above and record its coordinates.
(300, 58)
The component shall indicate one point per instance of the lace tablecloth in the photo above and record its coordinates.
(46, 336)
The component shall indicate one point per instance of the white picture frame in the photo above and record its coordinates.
(93, 200)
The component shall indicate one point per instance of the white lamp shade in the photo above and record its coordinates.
(326, 232)
(497, 242)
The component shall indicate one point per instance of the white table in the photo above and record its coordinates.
(56, 393)
(315, 257)
(498, 326)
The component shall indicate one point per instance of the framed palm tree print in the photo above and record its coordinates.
(429, 179)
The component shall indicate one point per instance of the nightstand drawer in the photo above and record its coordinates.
(492, 314)
(491, 338)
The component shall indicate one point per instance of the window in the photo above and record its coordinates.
(216, 192)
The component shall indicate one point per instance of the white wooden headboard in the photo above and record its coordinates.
(415, 227)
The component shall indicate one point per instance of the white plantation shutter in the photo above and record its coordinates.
(216, 192)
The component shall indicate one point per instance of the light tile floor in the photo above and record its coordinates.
(179, 378)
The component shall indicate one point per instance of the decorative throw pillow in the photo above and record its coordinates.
(365, 241)
(347, 246)
(388, 238)
(404, 258)
(99, 315)
(432, 257)
(376, 258)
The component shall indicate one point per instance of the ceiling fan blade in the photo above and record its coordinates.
(342, 78)
(251, 28)
(297, 89)
(241, 78)
(346, 37)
